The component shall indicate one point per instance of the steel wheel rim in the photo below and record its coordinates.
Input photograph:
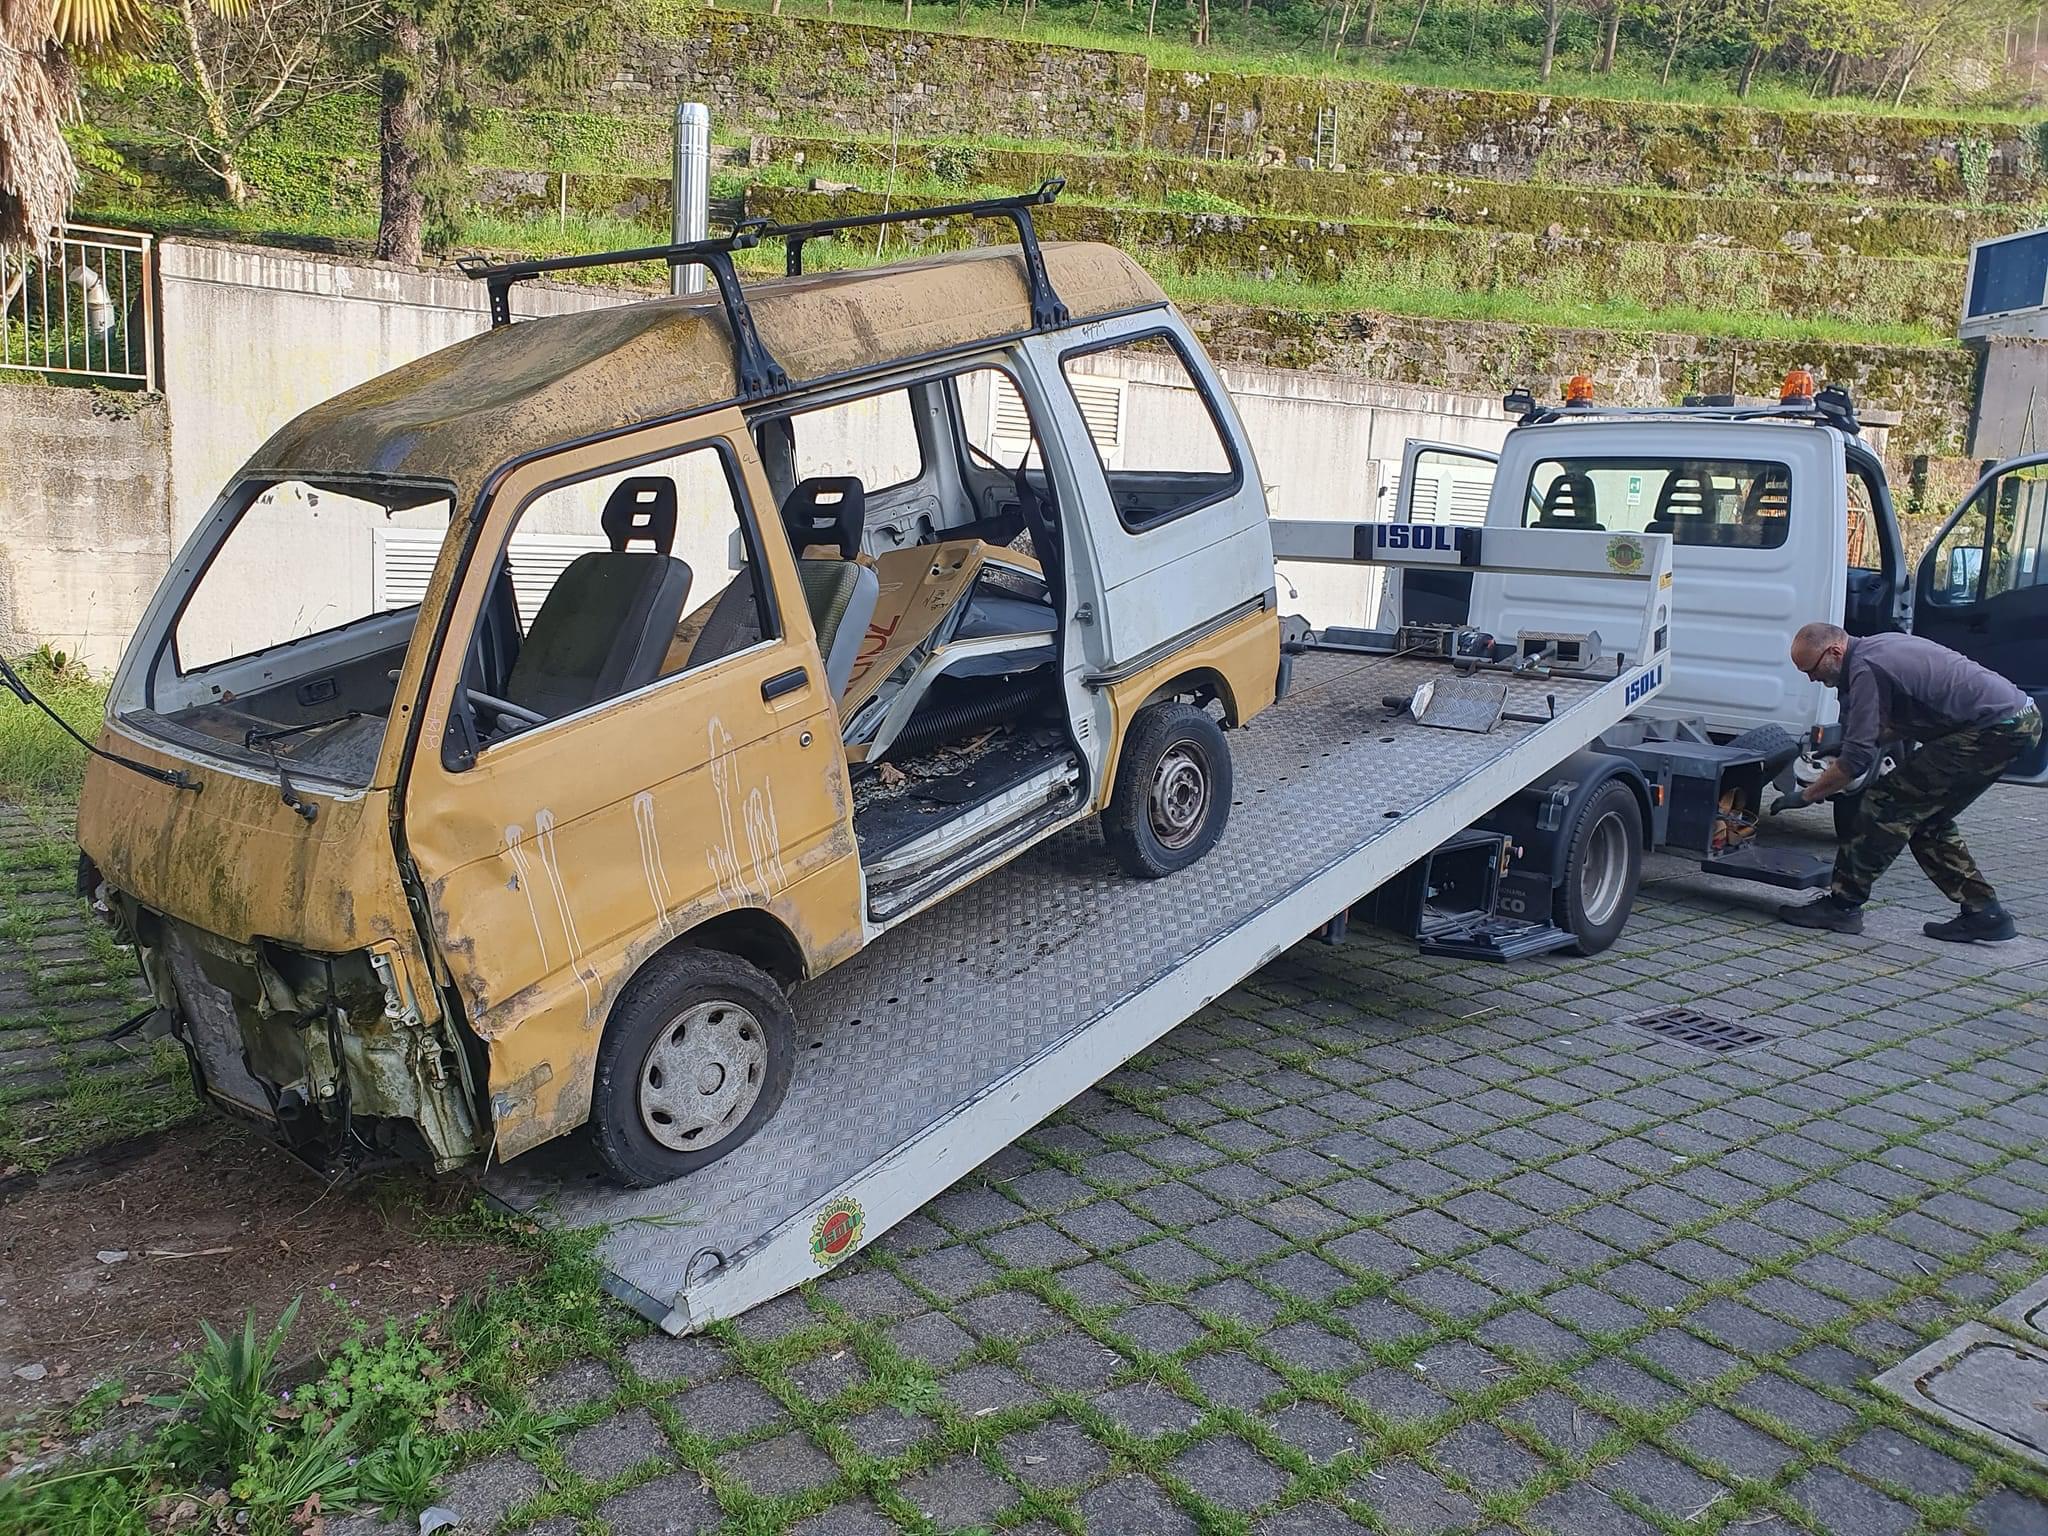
(1604, 875)
(702, 1075)
(1179, 802)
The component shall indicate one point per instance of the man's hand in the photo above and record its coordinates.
(1789, 802)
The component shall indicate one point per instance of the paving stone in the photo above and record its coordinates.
(775, 1468)
(1168, 1262)
(1798, 1408)
(1159, 1327)
(1147, 1409)
(614, 1446)
(1687, 1360)
(783, 1316)
(1069, 1362)
(825, 1376)
(980, 1390)
(1718, 1436)
(573, 1386)
(1308, 1519)
(721, 1409)
(1410, 1501)
(1841, 1503)
(933, 1338)
(948, 1273)
(1311, 1347)
(1617, 1379)
(1742, 1329)
(1318, 1431)
(1666, 1485)
(1057, 1454)
(1227, 1472)
(663, 1358)
(1236, 1239)
(1011, 1315)
(1106, 1225)
(1035, 1245)
(2009, 1513)
(1886, 1456)
(677, 1505)
(1557, 1420)
(1487, 1459)
(1305, 1275)
(1174, 1204)
(958, 1494)
(1832, 1366)
(1095, 1284)
(1238, 1299)
(484, 1492)
(857, 1519)
(1233, 1379)
(1133, 1505)
(1591, 1311)
(1524, 1333)
(1397, 1394)
(1444, 1290)
(873, 1295)
(887, 1430)
(1583, 1510)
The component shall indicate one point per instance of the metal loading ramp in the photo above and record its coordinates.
(955, 1033)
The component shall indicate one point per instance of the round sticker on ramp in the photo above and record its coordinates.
(836, 1232)
(1626, 556)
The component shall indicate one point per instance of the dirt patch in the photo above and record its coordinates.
(208, 1221)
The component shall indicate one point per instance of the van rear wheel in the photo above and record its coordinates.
(695, 1059)
(1603, 866)
(1172, 795)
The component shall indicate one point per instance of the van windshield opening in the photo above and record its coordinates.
(299, 600)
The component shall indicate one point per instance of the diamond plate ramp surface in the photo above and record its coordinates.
(939, 1008)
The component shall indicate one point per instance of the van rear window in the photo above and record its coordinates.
(1718, 503)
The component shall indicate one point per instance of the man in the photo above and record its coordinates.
(1971, 724)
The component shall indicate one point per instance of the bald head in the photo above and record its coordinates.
(1818, 651)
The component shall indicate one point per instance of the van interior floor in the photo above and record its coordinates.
(893, 807)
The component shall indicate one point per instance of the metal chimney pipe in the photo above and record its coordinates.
(691, 190)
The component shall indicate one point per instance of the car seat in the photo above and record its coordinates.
(1569, 503)
(605, 624)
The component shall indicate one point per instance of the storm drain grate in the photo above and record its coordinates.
(1700, 1031)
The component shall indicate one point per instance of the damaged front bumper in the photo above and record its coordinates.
(334, 1055)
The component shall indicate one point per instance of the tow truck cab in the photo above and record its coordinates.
(1779, 516)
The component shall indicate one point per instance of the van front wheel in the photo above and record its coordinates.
(1172, 795)
(696, 1057)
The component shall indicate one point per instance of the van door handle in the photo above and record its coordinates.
(784, 682)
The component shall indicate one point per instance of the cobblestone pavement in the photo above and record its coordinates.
(1384, 1243)
(63, 985)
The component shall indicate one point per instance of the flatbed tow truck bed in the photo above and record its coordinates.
(960, 1030)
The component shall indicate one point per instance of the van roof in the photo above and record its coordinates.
(459, 413)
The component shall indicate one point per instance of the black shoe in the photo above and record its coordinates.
(1990, 923)
(1830, 912)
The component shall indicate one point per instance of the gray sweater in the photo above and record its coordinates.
(1903, 688)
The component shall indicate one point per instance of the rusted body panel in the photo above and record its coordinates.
(1240, 661)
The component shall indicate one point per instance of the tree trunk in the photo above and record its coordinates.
(1421, 7)
(1372, 23)
(1610, 37)
(401, 125)
(1670, 57)
(1202, 32)
(1553, 17)
(1754, 57)
(1343, 26)
(1151, 17)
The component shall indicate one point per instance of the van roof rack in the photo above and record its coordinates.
(1832, 407)
(758, 373)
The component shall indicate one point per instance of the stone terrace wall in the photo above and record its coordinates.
(1513, 136)
(760, 70)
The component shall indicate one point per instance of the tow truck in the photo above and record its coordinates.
(798, 837)
(1779, 514)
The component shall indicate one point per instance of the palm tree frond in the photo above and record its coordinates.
(91, 28)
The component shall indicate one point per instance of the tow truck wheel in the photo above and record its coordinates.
(696, 1057)
(1172, 796)
(1602, 868)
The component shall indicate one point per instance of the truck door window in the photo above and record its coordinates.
(1162, 449)
(1715, 503)
(614, 582)
(1999, 544)
(1866, 549)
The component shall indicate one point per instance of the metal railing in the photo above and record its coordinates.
(84, 306)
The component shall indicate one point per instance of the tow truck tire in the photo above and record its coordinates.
(1602, 869)
(695, 1058)
(1173, 788)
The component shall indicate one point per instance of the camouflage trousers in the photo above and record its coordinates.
(1917, 806)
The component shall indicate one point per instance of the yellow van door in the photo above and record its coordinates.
(640, 740)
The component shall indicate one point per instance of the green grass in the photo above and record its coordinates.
(1498, 63)
(37, 760)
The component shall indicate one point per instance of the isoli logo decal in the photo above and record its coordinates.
(836, 1232)
(1625, 555)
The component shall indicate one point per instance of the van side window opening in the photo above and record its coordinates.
(1162, 450)
(874, 439)
(1715, 503)
(1866, 549)
(614, 582)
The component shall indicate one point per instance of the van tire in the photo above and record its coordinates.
(709, 1014)
(1173, 788)
(1602, 868)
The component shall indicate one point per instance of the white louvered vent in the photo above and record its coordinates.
(404, 562)
(1102, 407)
(1449, 496)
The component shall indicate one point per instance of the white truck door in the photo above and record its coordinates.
(1759, 547)
(1982, 587)
(1440, 483)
